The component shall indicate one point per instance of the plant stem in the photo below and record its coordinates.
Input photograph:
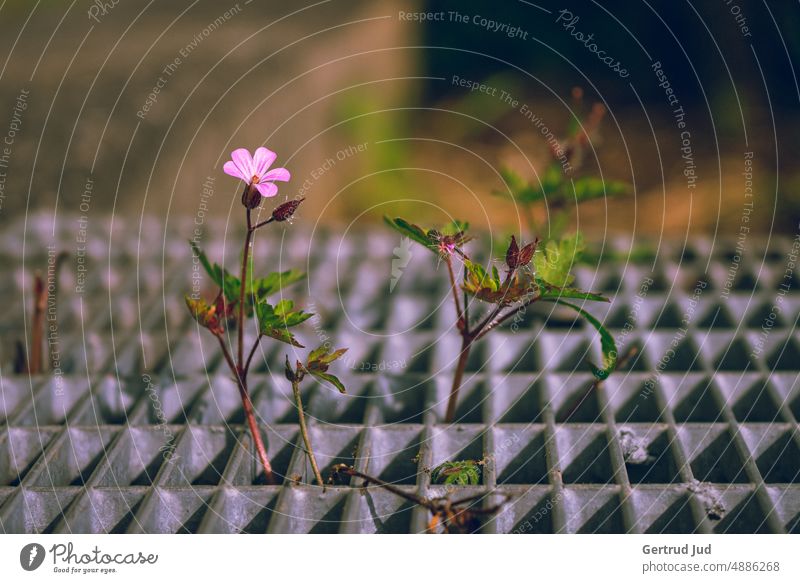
(490, 326)
(37, 326)
(304, 432)
(466, 345)
(466, 302)
(249, 413)
(262, 223)
(443, 510)
(345, 469)
(454, 287)
(242, 286)
(252, 352)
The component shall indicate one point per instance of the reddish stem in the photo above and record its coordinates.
(37, 326)
(249, 413)
(466, 345)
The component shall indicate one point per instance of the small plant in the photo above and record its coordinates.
(458, 473)
(533, 273)
(245, 297)
(453, 516)
(562, 183)
(317, 366)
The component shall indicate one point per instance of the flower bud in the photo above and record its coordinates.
(285, 211)
(251, 198)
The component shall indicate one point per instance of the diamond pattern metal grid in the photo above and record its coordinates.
(699, 434)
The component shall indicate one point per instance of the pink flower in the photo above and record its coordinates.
(254, 169)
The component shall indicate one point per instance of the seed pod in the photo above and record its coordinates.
(285, 211)
(512, 255)
(516, 257)
(526, 253)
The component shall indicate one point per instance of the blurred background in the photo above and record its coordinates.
(132, 107)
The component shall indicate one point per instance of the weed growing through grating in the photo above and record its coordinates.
(246, 296)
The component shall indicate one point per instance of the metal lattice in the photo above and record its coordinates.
(698, 434)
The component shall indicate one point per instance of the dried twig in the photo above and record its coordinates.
(454, 516)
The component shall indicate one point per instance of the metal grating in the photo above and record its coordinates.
(704, 439)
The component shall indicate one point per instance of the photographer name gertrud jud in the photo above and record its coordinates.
(690, 550)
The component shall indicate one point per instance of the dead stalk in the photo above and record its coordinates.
(37, 326)
(304, 432)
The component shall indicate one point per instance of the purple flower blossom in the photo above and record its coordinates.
(255, 169)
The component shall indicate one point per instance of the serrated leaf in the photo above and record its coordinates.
(330, 379)
(607, 343)
(206, 314)
(335, 355)
(460, 473)
(296, 318)
(281, 334)
(279, 316)
(321, 357)
(283, 307)
(317, 352)
(554, 261)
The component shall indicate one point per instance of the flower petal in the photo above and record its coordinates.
(232, 169)
(281, 174)
(267, 189)
(262, 159)
(244, 161)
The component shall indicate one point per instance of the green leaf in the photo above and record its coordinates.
(514, 181)
(413, 232)
(496, 277)
(213, 272)
(607, 344)
(266, 286)
(460, 473)
(330, 379)
(281, 334)
(283, 307)
(454, 227)
(230, 284)
(321, 357)
(317, 352)
(275, 321)
(521, 191)
(590, 187)
(296, 318)
(554, 261)
(335, 355)
(548, 293)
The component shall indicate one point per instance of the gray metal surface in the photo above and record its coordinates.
(704, 439)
